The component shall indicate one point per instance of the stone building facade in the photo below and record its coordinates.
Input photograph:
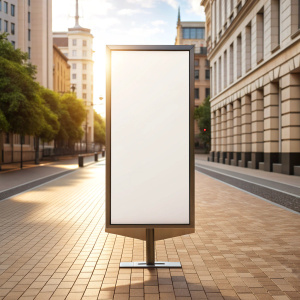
(193, 33)
(254, 53)
(77, 45)
(29, 25)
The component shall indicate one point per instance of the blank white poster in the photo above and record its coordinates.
(150, 137)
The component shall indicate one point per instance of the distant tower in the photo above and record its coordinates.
(77, 45)
(178, 18)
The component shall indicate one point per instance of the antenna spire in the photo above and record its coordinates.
(178, 19)
(76, 16)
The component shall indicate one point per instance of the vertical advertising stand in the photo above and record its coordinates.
(150, 145)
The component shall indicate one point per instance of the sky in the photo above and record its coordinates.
(124, 22)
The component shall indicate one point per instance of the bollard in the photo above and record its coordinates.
(103, 153)
(80, 160)
(96, 156)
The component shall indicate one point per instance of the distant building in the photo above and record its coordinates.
(77, 45)
(29, 24)
(254, 53)
(61, 72)
(193, 33)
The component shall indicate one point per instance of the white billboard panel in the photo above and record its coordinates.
(148, 150)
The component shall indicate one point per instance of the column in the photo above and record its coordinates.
(245, 131)
(213, 135)
(218, 136)
(223, 135)
(257, 129)
(236, 132)
(290, 108)
(271, 126)
(229, 118)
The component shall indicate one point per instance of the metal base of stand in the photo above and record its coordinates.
(150, 256)
(157, 264)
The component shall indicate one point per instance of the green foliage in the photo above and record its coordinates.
(72, 114)
(202, 116)
(27, 108)
(99, 129)
(20, 105)
(50, 110)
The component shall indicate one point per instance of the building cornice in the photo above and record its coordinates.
(232, 27)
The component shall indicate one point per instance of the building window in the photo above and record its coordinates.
(73, 76)
(84, 95)
(196, 74)
(66, 54)
(298, 14)
(207, 92)
(74, 42)
(84, 53)
(0, 24)
(84, 76)
(231, 56)
(74, 53)
(239, 7)
(29, 17)
(225, 69)
(74, 66)
(84, 86)
(28, 2)
(29, 35)
(275, 23)
(84, 66)
(84, 43)
(29, 52)
(0, 5)
(260, 36)
(196, 93)
(239, 56)
(203, 50)
(207, 74)
(206, 63)
(14, 44)
(248, 47)
(6, 138)
(196, 62)
(193, 33)
(12, 29)
(12, 10)
(220, 74)
(5, 26)
(5, 7)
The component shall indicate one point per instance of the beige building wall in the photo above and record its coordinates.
(255, 65)
(202, 72)
(29, 24)
(61, 72)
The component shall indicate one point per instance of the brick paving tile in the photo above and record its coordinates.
(53, 246)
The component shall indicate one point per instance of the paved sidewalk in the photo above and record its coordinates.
(53, 246)
(15, 178)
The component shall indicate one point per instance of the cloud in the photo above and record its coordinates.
(158, 22)
(130, 12)
(143, 3)
(153, 3)
(172, 3)
(194, 7)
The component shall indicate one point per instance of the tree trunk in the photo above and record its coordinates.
(1, 149)
(37, 150)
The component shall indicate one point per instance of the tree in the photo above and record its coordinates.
(202, 116)
(21, 108)
(72, 114)
(99, 129)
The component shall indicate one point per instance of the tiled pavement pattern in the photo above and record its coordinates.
(53, 245)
